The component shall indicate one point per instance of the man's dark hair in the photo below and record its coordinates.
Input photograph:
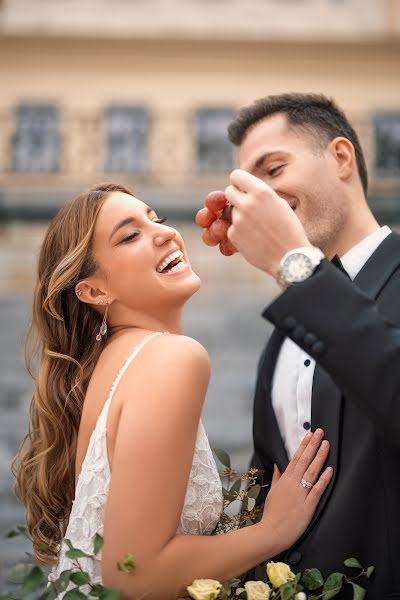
(314, 113)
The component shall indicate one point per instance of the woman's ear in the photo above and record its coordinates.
(342, 151)
(90, 294)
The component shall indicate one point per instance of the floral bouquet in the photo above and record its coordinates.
(275, 581)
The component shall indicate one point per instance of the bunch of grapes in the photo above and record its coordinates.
(215, 219)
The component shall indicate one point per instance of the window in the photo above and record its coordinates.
(387, 144)
(36, 139)
(215, 153)
(125, 129)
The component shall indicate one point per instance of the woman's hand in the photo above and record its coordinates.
(291, 503)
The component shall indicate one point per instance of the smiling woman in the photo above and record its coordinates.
(119, 392)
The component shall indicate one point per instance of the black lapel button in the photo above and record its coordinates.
(293, 557)
(307, 425)
(289, 323)
(318, 348)
(307, 362)
(310, 339)
(298, 333)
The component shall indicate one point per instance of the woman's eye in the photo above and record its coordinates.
(160, 220)
(130, 237)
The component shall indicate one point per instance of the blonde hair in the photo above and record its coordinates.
(63, 333)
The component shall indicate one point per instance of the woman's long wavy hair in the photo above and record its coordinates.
(63, 330)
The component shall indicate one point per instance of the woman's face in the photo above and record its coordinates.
(142, 262)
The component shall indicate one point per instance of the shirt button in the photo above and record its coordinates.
(307, 362)
(307, 425)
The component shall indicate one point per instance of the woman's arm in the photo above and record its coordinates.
(163, 394)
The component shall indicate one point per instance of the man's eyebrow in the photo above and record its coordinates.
(127, 221)
(267, 155)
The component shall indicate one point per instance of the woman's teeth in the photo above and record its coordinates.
(175, 255)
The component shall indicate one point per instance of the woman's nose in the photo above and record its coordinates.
(163, 234)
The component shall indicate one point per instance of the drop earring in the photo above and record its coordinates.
(103, 327)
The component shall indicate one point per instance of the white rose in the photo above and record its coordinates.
(300, 596)
(204, 589)
(257, 590)
(279, 573)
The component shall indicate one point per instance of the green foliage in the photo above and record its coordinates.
(312, 579)
(128, 564)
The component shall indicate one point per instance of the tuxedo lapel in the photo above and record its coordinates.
(266, 430)
(380, 266)
(326, 406)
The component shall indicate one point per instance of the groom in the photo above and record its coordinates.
(333, 360)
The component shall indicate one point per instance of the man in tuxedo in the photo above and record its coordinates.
(333, 361)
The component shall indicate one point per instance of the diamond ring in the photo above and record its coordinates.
(306, 484)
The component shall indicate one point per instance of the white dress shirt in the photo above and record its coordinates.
(294, 370)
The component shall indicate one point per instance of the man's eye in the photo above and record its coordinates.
(160, 220)
(275, 170)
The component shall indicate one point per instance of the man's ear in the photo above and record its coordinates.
(90, 294)
(342, 151)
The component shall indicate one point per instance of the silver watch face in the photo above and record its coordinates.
(297, 267)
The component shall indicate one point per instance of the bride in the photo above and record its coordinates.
(115, 443)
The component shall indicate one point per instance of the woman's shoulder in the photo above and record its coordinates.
(160, 350)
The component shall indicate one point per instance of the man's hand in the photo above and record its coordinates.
(264, 227)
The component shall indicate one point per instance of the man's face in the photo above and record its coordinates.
(299, 170)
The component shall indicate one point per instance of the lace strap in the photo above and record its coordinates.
(104, 413)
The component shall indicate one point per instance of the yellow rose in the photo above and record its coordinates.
(204, 589)
(279, 573)
(257, 590)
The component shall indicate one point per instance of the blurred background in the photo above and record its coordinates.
(140, 92)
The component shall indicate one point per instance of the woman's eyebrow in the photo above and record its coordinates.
(127, 221)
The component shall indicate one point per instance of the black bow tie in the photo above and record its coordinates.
(338, 263)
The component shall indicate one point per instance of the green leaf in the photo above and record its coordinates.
(369, 572)
(353, 563)
(251, 504)
(358, 591)
(7, 596)
(245, 503)
(128, 565)
(19, 572)
(332, 586)
(287, 591)
(98, 543)
(261, 573)
(32, 581)
(254, 491)
(235, 489)
(223, 457)
(97, 590)
(63, 581)
(312, 579)
(80, 578)
(110, 595)
(75, 594)
(75, 553)
(12, 534)
(48, 594)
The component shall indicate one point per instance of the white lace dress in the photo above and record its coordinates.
(203, 501)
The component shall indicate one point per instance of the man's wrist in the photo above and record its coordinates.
(298, 264)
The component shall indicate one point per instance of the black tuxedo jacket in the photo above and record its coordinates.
(351, 330)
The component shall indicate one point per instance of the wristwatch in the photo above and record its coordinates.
(298, 264)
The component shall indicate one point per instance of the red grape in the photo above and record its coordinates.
(226, 247)
(208, 239)
(219, 228)
(227, 213)
(216, 201)
(205, 217)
